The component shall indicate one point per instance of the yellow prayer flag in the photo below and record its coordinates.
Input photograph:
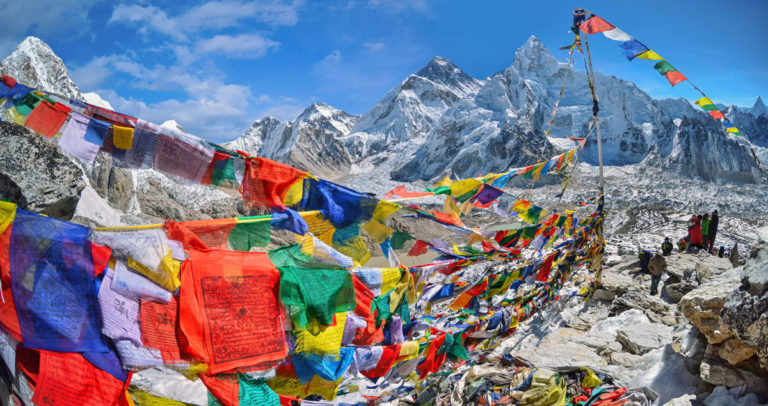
(295, 193)
(389, 279)
(521, 206)
(122, 137)
(704, 101)
(384, 209)
(464, 186)
(408, 350)
(325, 341)
(7, 214)
(377, 231)
(732, 130)
(445, 182)
(537, 170)
(650, 55)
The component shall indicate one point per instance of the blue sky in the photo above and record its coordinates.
(216, 66)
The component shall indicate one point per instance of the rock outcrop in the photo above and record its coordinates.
(35, 175)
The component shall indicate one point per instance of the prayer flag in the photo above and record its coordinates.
(47, 118)
(663, 67)
(9, 319)
(299, 279)
(340, 205)
(716, 114)
(594, 25)
(650, 55)
(706, 104)
(66, 378)
(52, 275)
(122, 137)
(633, 48)
(617, 34)
(229, 309)
(674, 77)
(181, 155)
(266, 183)
(73, 138)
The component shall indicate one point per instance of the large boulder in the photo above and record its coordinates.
(745, 310)
(35, 175)
(641, 338)
(702, 306)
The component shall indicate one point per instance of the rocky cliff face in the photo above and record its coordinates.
(35, 175)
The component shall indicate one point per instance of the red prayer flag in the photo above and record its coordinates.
(101, 257)
(401, 191)
(388, 356)
(208, 175)
(596, 24)
(229, 309)
(419, 248)
(214, 233)
(370, 334)
(225, 388)
(546, 267)
(674, 77)
(9, 81)
(266, 182)
(66, 378)
(9, 319)
(46, 118)
(716, 114)
(160, 329)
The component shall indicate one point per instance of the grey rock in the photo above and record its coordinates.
(717, 372)
(676, 291)
(35, 175)
(703, 305)
(636, 299)
(641, 338)
(626, 359)
(684, 400)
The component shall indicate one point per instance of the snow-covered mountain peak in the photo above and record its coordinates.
(443, 71)
(33, 63)
(327, 117)
(533, 57)
(759, 108)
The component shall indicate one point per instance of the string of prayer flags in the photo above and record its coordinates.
(229, 309)
(633, 48)
(47, 118)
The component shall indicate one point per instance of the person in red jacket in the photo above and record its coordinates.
(694, 228)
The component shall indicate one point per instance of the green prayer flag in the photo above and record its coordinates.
(256, 392)
(311, 290)
(663, 67)
(244, 236)
(398, 240)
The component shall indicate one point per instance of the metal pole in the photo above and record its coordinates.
(595, 111)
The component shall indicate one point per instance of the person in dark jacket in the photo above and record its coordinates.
(713, 223)
(656, 266)
(666, 246)
(645, 257)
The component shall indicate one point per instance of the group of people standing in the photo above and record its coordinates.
(702, 231)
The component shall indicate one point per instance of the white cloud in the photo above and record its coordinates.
(374, 46)
(243, 46)
(215, 15)
(391, 6)
(42, 18)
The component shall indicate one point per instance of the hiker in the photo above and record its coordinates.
(713, 223)
(694, 230)
(721, 251)
(734, 255)
(682, 245)
(666, 247)
(705, 231)
(657, 265)
(645, 257)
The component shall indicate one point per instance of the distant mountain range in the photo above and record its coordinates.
(441, 121)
